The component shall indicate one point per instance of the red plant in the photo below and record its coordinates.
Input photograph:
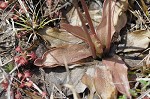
(43, 94)
(100, 40)
(18, 95)
(27, 74)
(49, 2)
(19, 75)
(3, 5)
(32, 55)
(4, 84)
(15, 17)
(18, 35)
(20, 60)
(18, 49)
(21, 85)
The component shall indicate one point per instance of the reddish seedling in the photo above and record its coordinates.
(3, 5)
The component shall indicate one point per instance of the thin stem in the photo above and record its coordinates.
(88, 16)
(93, 50)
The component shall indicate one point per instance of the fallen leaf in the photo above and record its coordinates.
(119, 15)
(57, 37)
(59, 76)
(75, 78)
(104, 84)
(119, 73)
(74, 19)
(99, 79)
(88, 81)
(137, 40)
(72, 53)
(95, 16)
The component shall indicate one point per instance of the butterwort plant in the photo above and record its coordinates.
(99, 41)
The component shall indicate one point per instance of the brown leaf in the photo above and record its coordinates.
(104, 84)
(106, 29)
(75, 79)
(119, 16)
(88, 81)
(57, 37)
(72, 53)
(113, 20)
(95, 16)
(80, 33)
(76, 31)
(137, 40)
(73, 18)
(99, 79)
(119, 74)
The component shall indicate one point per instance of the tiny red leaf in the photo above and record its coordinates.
(32, 55)
(20, 60)
(27, 74)
(19, 75)
(18, 49)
